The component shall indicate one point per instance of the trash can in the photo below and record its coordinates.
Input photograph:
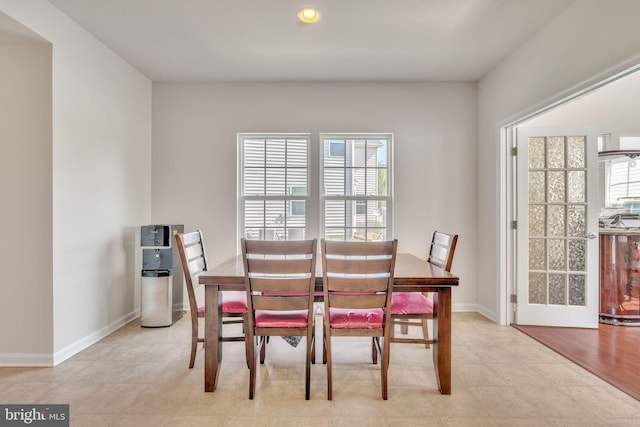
(157, 298)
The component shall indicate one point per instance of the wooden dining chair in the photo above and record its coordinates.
(358, 281)
(194, 261)
(415, 308)
(280, 283)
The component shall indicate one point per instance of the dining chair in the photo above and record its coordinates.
(194, 262)
(415, 308)
(357, 284)
(280, 282)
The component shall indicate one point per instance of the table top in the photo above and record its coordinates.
(411, 274)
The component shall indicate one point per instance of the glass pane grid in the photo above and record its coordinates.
(557, 220)
(355, 191)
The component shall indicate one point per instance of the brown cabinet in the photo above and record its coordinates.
(620, 276)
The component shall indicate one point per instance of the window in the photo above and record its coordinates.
(336, 149)
(297, 207)
(356, 178)
(624, 182)
(274, 183)
(622, 176)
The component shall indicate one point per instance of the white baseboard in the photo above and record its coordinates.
(491, 315)
(465, 307)
(70, 350)
(48, 359)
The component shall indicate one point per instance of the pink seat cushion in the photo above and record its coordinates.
(282, 319)
(410, 302)
(234, 301)
(344, 318)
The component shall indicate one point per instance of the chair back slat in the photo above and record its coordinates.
(278, 247)
(367, 284)
(358, 266)
(341, 248)
(262, 285)
(279, 266)
(281, 302)
(357, 300)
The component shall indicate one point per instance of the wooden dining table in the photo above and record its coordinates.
(412, 274)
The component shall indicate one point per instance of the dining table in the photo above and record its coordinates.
(411, 274)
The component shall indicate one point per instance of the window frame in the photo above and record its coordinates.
(288, 197)
(388, 198)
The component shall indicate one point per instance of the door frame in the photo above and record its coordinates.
(507, 256)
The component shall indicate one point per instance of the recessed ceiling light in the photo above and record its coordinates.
(308, 15)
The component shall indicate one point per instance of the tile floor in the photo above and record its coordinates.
(139, 377)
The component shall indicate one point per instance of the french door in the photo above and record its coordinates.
(557, 226)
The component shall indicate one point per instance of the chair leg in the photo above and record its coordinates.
(246, 353)
(324, 347)
(425, 332)
(327, 352)
(310, 355)
(194, 342)
(385, 368)
(194, 348)
(251, 361)
(246, 346)
(374, 350)
(263, 349)
(404, 328)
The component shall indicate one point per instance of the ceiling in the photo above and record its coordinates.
(240, 40)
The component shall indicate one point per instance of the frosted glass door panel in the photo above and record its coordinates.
(553, 257)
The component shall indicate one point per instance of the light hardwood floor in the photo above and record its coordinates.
(610, 352)
(501, 377)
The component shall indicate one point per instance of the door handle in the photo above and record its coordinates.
(591, 236)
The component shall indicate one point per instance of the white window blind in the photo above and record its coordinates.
(274, 186)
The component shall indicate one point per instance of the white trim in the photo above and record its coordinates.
(505, 257)
(49, 360)
(83, 343)
(615, 72)
(464, 308)
(491, 315)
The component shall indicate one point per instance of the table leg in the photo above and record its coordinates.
(441, 347)
(212, 334)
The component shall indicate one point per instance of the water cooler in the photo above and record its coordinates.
(162, 276)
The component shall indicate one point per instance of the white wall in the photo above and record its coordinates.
(100, 183)
(589, 37)
(613, 108)
(434, 126)
(26, 262)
